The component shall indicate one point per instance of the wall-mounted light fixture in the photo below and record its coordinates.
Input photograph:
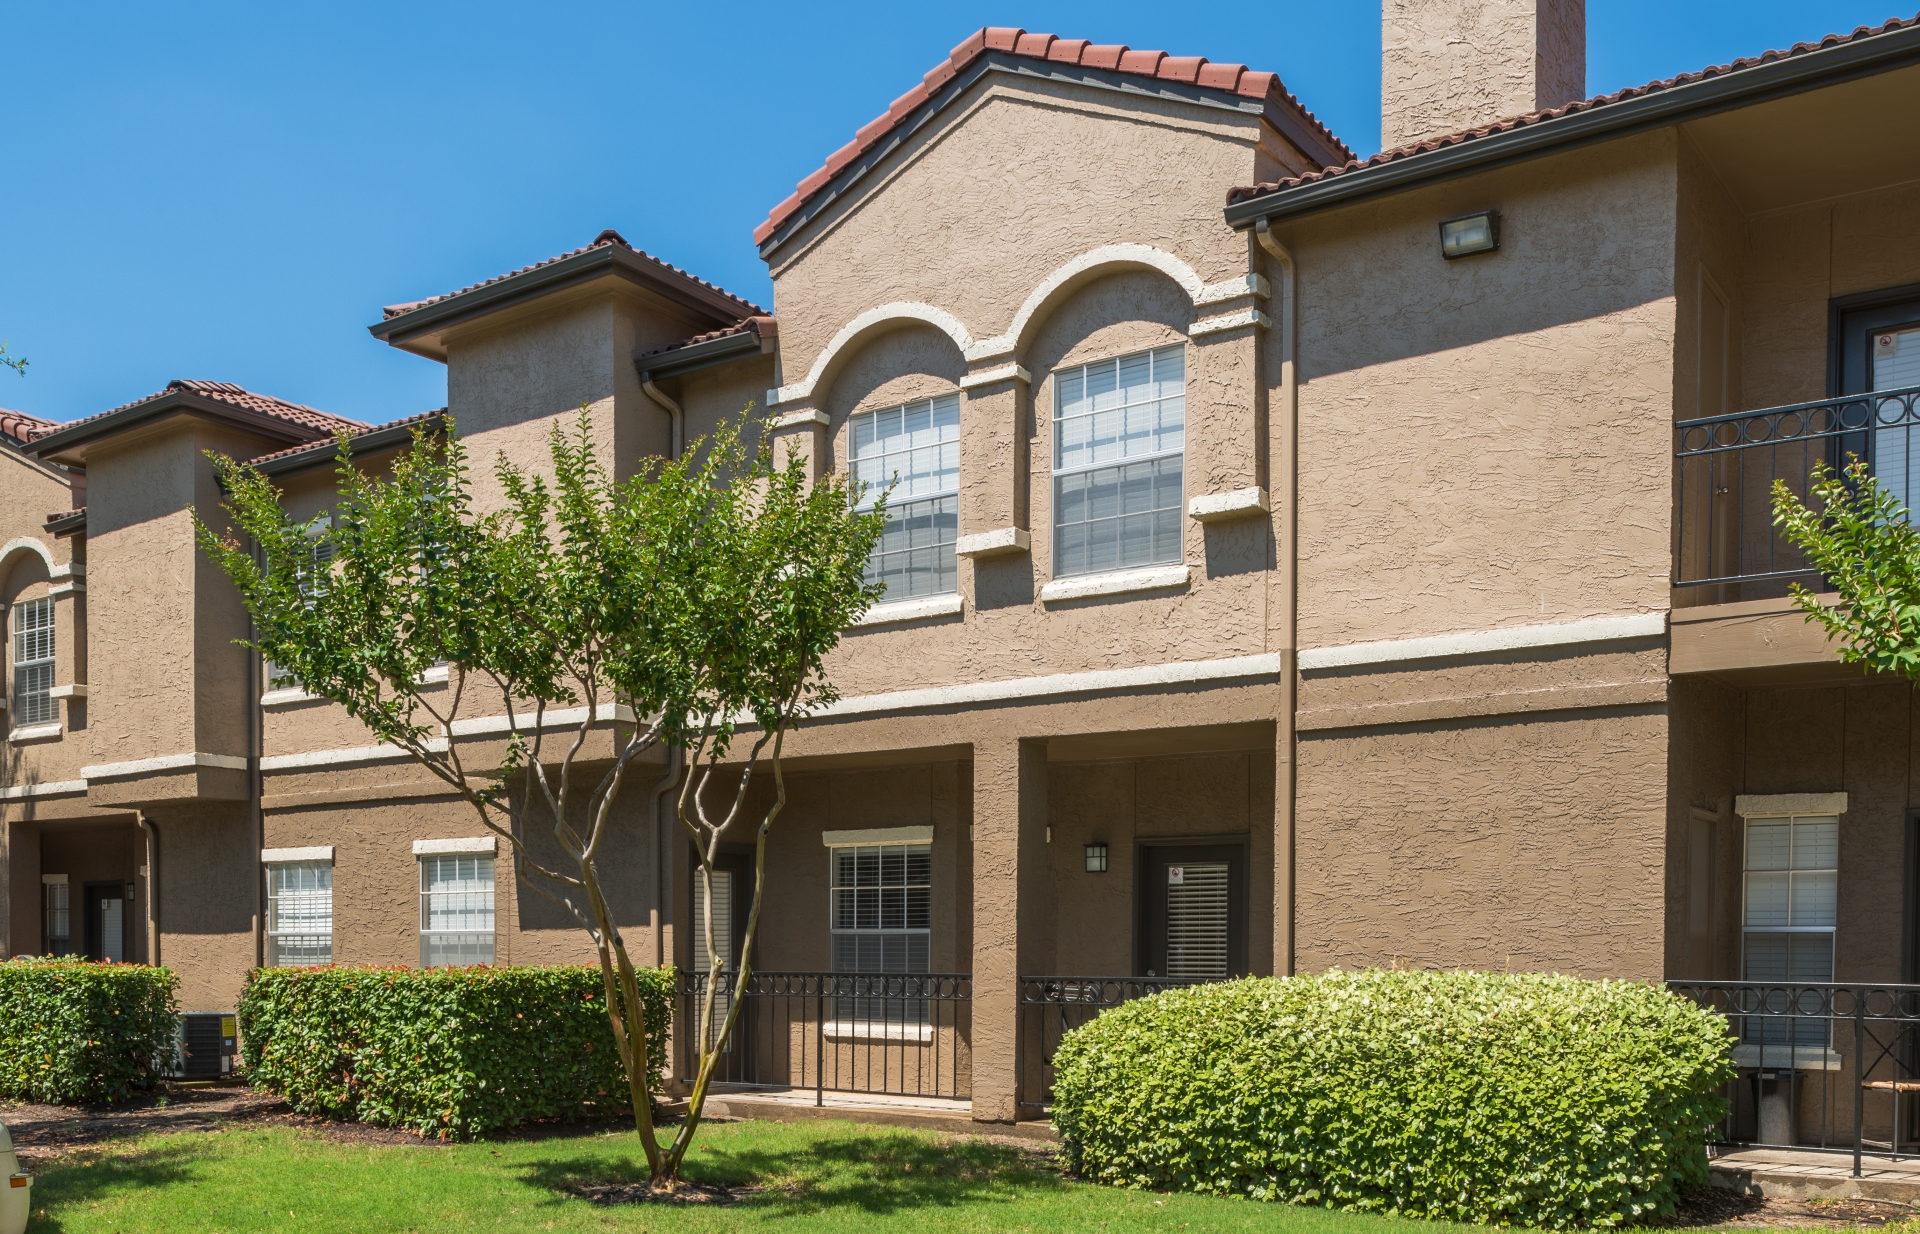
(1096, 859)
(1470, 234)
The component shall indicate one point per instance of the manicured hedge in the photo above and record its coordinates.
(72, 1031)
(1496, 1098)
(448, 1052)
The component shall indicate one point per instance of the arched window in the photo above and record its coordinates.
(1119, 441)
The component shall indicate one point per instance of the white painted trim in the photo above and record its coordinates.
(798, 419)
(353, 754)
(898, 311)
(1566, 634)
(910, 610)
(1186, 672)
(1232, 321)
(990, 543)
(1211, 507)
(77, 690)
(1083, 269)
(1780, 805)
(482, 725)
(433, 674)
(875, 1030)
(287, 697)
(30, 543)
(1233, 289)
(1117, 583)
(1005, 372)
(70, 587)
(877, 835)
(36, 732)
(471, 844)
(272, 856)
(165, 762)
(53, 788)
(53, 880)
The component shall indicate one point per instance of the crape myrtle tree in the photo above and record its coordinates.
(691, 606)
(1858, 535)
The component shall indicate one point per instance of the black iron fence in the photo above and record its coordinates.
(1051, 1006)
(1725, 468)
(901, 1034)
(1833, 1067)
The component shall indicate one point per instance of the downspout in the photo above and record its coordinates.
(1286, 483)
(672, 409)
(663, 830)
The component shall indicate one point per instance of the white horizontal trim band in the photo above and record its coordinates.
(1185, 672)
(1566, 634)
(52, 788)
(1780, 805)
(165, 762)
(1006, 372)
(1117, 583)
(354, 754)
(877, 835)
(272, 856)
(471, 844)
(563, 718)
(910, 610)
(1232, 321)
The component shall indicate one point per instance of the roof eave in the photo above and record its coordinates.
(606, 260)
(694, 356)
(69, 523)
(170, 403)
(1693, 100)
(323, 453)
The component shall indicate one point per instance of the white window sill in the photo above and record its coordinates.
(910, 610)
(870, 1030)
(77, 690)
(435, 674)
(287, 697)
(1115, 584)
(34, 732)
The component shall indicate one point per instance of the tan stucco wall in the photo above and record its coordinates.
(1485, 442)
(209, 898)
(1453, 64)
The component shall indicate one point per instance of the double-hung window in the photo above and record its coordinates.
(911, 453)
(1791, 896)
(299, 913)
(311, 577)
(59, 915)
(33, 662)
(1119, 437)
(456, 910)
(882, 918)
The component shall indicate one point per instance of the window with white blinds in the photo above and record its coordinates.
(33, 663)
(911, 455)
(456, 910)
(1791, 899)
(1197, 921)
(882, 918)
(1119, 441)
(1895, 357)
(299, 913)
(722, 940)
(59, 920)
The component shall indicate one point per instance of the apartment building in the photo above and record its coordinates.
(1296, 560)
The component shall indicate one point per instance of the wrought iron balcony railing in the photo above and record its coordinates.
(1725, 468)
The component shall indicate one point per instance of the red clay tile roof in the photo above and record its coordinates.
(607, 237)
(760, 327)
(309, 418)
(19, 426)
(1245, 192)
(62, 515)
(1193, 70)
(327, 444)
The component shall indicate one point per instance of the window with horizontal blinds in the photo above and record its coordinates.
(311, 577)
(1198, 921)
(911, 455)
(59, 927)
(1791, 894)
(1119, 441)
(723, 942)
(456, 910)
(299, 913)
(1894, 356)
(882, 918)
(33, 701)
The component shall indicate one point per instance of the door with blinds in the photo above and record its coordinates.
(1879, 353)
(1193, 912)
(732, 899)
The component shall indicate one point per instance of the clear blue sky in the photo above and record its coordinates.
(231, 191)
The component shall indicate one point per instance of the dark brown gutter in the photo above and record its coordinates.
(323, 453)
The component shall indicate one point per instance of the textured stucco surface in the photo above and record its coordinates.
(1453, 64)
(1527, 843)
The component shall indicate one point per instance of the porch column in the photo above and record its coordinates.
(19, 889)
(1009, 849)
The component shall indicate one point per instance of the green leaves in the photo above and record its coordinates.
(1857, 534)
(1495, 1098)
(72, 1031)
(447, 1052)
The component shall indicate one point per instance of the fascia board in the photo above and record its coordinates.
(171, 403)
(700, 355)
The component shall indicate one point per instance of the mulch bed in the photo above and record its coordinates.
(686, 1193)
(1720, 1208)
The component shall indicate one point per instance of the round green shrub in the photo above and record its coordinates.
(1496, 1098)
(73, 1031)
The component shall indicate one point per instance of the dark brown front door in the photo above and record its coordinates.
(1193, 911)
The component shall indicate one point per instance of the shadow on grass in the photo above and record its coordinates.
(87, 1176)
(872, 1174)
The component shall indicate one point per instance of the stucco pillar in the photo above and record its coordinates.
(20, 888)
(1009, 864)
(1226, 415)
(802, 431)
(993, 455)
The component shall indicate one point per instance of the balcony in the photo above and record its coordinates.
(1726, 548)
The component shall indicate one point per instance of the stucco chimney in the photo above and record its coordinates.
(1453, 64)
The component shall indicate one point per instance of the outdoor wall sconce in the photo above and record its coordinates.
(1096, 859)
(1470, 234)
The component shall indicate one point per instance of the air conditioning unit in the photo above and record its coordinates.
(208, 1045)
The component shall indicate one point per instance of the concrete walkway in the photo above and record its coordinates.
(1806, 1174)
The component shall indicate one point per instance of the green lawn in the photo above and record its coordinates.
(821, 1176)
